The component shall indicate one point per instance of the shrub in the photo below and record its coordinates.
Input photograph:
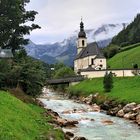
(108, 82)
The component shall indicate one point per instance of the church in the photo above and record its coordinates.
(89, 56)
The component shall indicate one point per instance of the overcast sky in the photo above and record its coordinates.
(59, 18)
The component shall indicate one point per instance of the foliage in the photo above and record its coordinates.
(64, 72)
(126, 59)
(32, 77)
(111, 50)
(135, 66)
(20, 121)
(24, 72)
(108, 82)
(126, 89)
(13, 17)
(130, 35)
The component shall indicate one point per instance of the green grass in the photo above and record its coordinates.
(125, 89)
(125, 59)
(20, 121)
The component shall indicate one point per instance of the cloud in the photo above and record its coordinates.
(59, 18)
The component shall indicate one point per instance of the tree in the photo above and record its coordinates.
(64, 72)
(108, 82)
(13, 27)
(32, 77)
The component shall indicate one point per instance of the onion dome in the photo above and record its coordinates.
(82, 32)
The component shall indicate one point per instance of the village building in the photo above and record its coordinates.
(5, 53)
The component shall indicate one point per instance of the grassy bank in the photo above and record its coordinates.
(125, 89)
(125, 59)
(21, 121)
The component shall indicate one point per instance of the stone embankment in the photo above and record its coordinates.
(129, 111)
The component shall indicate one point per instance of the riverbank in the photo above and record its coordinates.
(25, 121)
(130, 111)
(123, 101)
(92, 122)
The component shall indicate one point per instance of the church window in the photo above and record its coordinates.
(101, 65)
(92, 61)
(83, 43)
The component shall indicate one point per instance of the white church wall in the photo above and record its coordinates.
(101, 61)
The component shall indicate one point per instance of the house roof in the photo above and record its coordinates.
(90, 50)
(6, 53)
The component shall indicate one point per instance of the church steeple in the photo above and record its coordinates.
(82, 40)
(82, 32)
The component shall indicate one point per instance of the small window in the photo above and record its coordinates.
(92, 61)
(83, 43)
(101, 66)
(100, 60)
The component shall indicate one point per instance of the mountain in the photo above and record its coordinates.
(65, 51)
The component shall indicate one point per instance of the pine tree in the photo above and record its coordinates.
(108, 82)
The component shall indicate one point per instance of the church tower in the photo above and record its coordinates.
(82, 40)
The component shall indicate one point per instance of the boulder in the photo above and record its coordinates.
(69, 134)
(138, 119)
(137, 109)
(120, 113)
(79, 138)
(129, 107)
(67, 112)
(65, 123)
(105, 106)
(88, 100)
(39, 103)
(70, 123)
(95, 108)
(107, 122)
(113, 111)
(109, 105)
(130, 116)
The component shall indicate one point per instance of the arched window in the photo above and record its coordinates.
(83, 43)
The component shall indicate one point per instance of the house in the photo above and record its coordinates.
(89, 56)
(5, 53)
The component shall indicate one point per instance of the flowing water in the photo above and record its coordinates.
(121, 129)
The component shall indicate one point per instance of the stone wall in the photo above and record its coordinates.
(101, 73)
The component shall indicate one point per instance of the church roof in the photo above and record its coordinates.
(6, 53)
(90, 50)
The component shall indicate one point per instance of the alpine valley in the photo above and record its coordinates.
(65, 51)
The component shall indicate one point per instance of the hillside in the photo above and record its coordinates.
(19, 121)
(130, 34)
(125, 89)
(125, 59)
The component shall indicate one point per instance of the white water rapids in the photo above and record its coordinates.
(121, 129)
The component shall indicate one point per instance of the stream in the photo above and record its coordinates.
(91, 124)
